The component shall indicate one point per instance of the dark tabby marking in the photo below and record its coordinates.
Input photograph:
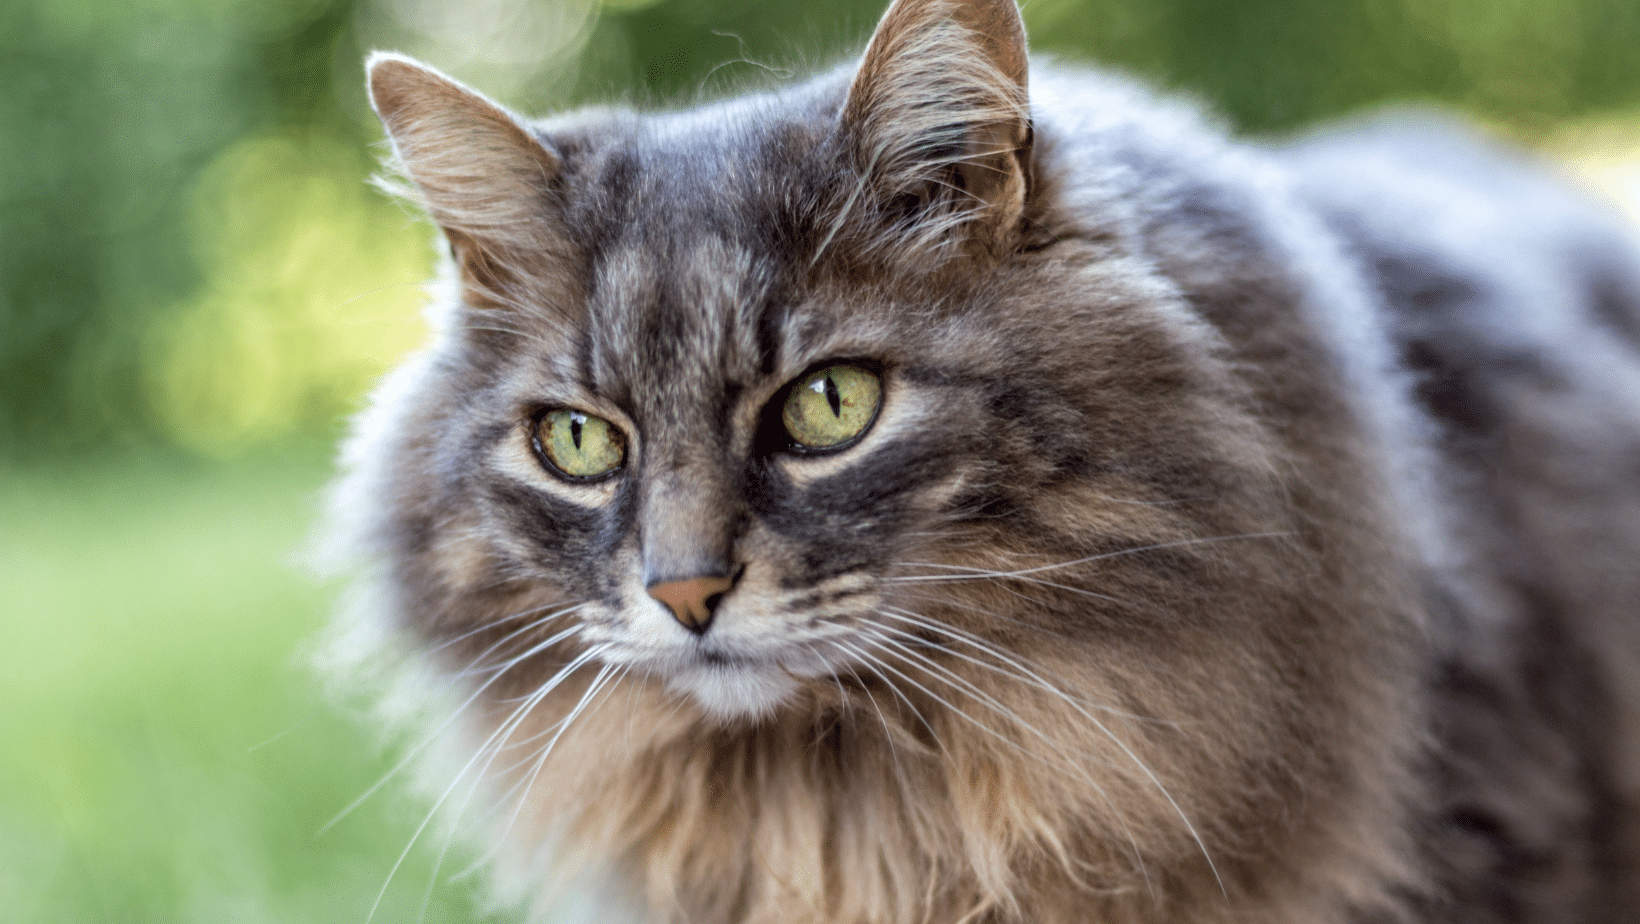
(1243, 534)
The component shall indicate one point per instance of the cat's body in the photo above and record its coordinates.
(1517, 307)
(1242, 534)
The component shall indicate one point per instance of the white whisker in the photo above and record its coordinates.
(984, 574)
(500, 733)
(493, 623)
(1105, 555)
(1069, 758)
(428, 740)
(875, 665)
(888, 732)
(1149, 774)
(876, 641)
(563, 726)
(1025, 675)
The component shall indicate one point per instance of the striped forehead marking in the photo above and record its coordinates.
(671, 326)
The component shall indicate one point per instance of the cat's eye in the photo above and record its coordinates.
(832, 407)
(579, 445)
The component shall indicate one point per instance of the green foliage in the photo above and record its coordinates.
(113, 113)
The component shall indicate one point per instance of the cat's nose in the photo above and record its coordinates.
(693, 601)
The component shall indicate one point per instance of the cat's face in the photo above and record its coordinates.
(834, 449)
(786, 446)
(759, 397)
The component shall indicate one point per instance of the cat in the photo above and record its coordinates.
(956, 490)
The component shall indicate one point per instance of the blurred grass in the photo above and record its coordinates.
(152, 621)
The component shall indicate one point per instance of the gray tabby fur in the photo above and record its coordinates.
(1249, 533)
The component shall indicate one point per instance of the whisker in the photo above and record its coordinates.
(298, 724)
(1152, 503)
(500, 801)
(1120, 552)
(962, 684)
(336, 310)
(945, 601)
(1069, 764)
(1025, 674)
(888, 733)
(500, 733)
(493, 623)
(434, 736)
(501, 744)
(984, 574)
(1151, 776)
(874, 641)
(580, 705)
(873, 663)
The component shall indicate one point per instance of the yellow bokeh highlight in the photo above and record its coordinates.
(1604, 154)
(314, 285)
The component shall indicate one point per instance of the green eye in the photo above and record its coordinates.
(832, 406)
(579, 445)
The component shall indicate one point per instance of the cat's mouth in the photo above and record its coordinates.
(723, 659)
(730, 684)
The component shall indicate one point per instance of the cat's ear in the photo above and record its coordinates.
(938, 112)
(485, 178)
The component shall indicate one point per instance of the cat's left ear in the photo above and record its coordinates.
(938, 114)
(483, 176)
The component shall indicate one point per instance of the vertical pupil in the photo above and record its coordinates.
(833, 398)
(575, 432)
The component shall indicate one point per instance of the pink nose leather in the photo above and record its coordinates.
(692, 601)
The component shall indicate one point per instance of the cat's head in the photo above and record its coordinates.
(768, 395)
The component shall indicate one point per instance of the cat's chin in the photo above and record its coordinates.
(733, 692)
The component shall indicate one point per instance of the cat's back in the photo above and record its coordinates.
(1514, 302)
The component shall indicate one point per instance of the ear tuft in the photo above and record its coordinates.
(938, 112)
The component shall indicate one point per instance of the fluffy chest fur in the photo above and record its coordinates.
(944, 491)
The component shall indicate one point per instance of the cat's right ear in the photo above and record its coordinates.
(485, 178)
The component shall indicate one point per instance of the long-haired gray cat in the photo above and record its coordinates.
(949, 491)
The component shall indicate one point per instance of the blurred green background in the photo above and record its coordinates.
(197, 285)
